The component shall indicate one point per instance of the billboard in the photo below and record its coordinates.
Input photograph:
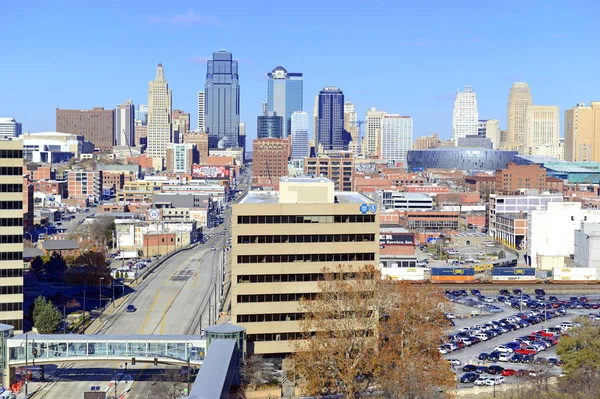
(452, 271)
(575, 273)
(513, 271)
(210, 172)
(396, 239)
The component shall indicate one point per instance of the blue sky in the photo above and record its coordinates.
(400, 56)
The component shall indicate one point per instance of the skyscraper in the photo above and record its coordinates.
(269, 126)
(373, 132)
(299, 132)
(160, 130)
(284, 95)
(222, 93)
(330, 134)
(10, 128)
(141, 114)
(125, 124)
(582, 133)
(315, 122)
(181, 125)
(396, 137)
(519, 99)
(350, 119)
(265, 108)
(490, 128)
(201, 112)
(465, 115)
(542, 127)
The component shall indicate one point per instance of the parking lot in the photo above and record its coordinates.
(470, 353)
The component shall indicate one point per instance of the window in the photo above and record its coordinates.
(289, 258)
(11, 188)
(11, 204)
(11, 239)
(293, 219)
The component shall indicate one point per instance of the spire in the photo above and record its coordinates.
(160, 75)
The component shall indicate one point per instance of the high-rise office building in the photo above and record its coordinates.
(160, 109)
(373, 132)
(181, 125)
(284, 95)
(270, 161)
(265, 108)
(465, 115)
(9, 127)
(331, 119)
(305, 223)
(201, 112)
(396, 137)
(299, 132)
(141, 114)
(582, 133)
(427, 142)
(125, 124)
(519, 99)
(315, 121)
(490, 128)
(222, 100)
(11, 238)
(96, 125)
(269, 126)
(200, 141)
(181, 157)
(350, 119)
(542, 128)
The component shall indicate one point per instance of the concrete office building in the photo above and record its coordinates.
(181, 125)
(350, 119)
(9, 127)
(519, 99)
(587, 246)
(330, 135)
(373, 132)
(396, 137)
(222, 100)
(582, 133)
(465, 115)
(337, 168)
(299, 132)
(542, 128)
(201, 142)
(269, 126)
(490, 128)
(427, 142)
(315, 121)
(125, 124)
(181, 157)
(284, 95)
(160, 109)
(396, 200)
(96, 125)
(281, 241)
(11, 238)
(201, 112)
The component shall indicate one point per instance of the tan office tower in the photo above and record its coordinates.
(542, 128)
(181, 125)
(373, 131)
(315, 121)
(350, 119)
(201, 142)
(11, 238)
(519, 99)
(281, 243)
(160, 132)
(582, 133)
(201, 112)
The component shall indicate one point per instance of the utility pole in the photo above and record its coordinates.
(188, 374)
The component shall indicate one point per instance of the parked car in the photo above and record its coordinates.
(469, 378)
(469, 368)
(508, 372)
(494, 381)
(495, 369)
(455, 362)
(481, 381)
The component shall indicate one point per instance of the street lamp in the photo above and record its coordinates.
(100, 298)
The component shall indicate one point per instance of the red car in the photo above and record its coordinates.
(509, 372)
(543, 333)
(459, 344)
(522, 373)
(525, 351)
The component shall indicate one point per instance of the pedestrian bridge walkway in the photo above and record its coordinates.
(33, 349)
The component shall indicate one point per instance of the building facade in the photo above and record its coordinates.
(200, 140)
(141, 114)
(222, 100)
(373, 132)
(465, 115)
(272, 232)
(490, 128)
(474, 142)
(389, 199)
(299, 133)
(269, 126)
(270, 162)
(9, 128)
(516, 177)
(181, 125)
(96, 125)
(582, 133)
(587, 246)
(350, 121)
(542, 126)
(181, 157)
(284, 95)
(471, 159)
(125, 124)
(201, 112)
(427, 142)
(337, 168)
(85, 184)
(519, 99)
(11, 238)
(160, 109)
(330, 135)
(396, 137)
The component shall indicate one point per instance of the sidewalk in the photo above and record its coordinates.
(96, 324)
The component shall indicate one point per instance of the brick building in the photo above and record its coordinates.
(158, 243)
(337, 168)
(113, 180)
(41, 172)
(201, 141)
(96, 125)
(515, 177)
(270, 161)
(85, 184)
(483, 184)
(57, 187)
(144, 161)
(554, 184)
(430, 220)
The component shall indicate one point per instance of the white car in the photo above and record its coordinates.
(450, 315)
(455, 362)
(494, 380)
(443, 351)
(481, 381)
(503, 349)
(504, 357)
(482, 337)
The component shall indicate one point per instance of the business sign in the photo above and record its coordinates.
(452, 271)
(153, 214)
(513, 271)
(364, 208)
(396, 239)
(210, 172)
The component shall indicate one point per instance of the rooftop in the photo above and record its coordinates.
(512, 216)
(272, 197)
(58, 245)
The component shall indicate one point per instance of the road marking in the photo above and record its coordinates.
(196, 276)
(164, 317)
(149, 311)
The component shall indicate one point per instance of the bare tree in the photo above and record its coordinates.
(257, 372)
(169, 384)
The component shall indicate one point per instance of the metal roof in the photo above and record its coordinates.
(57, 245)
(214, 374)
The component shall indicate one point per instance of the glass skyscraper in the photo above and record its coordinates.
(222, 101)
(269, 126)
(330, 133)
(284, 96)
(299, 132)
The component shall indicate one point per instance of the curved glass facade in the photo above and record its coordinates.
(459, 158)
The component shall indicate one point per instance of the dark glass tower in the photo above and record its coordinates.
(330, 133)
(222, 101)
(269, 126)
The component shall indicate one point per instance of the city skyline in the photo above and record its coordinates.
(433, 81)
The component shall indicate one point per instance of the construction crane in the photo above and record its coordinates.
(358, 125)
(127, 141)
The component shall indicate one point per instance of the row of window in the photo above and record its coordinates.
(273, 337)
(11, 154)
(314, 238)
(11, 171)
(11, 273)
(10, 307)
(253, 298)
(11, 188)
(10, 290)
(286, 278)
(261, 318)
(11, 222)
(17, 324)
(11, 205)
(290, 219)
(11, 239)
(11, 255)
(345, 257)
